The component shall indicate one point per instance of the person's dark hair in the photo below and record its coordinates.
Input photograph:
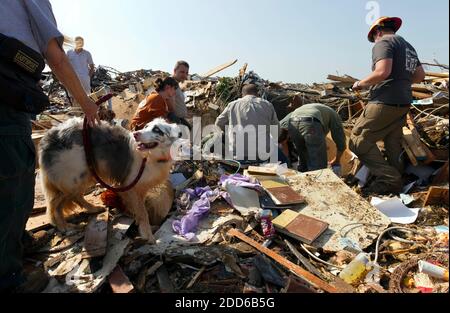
(79, 38)
(181, 63)
(388, 26)
(161, 83)
(250, 89)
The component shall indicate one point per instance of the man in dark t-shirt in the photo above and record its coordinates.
(396, 67)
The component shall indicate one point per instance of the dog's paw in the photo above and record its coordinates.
(146, 234)
(151, 241)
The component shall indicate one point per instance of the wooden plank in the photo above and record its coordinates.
(421, 95)
(414, 145)
(421, 88)
(243, 70)
(41, 221)
(439, 80)
(345, 79)
(219, 69)
(96, 237)
(409, 153)
(259, 170)
(119, 282)
(430, 156)
(295, 269)
(38, 222)
(437, 195)
(440, 75)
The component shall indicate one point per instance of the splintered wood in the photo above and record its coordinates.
(119, 282)
(96, 237)
(416, 150)
(437, 195)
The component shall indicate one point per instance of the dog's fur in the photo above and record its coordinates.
(118, 156)
(158, 202)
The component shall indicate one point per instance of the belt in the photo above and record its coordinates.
(398, 105)
(392, 105)
(305, 119)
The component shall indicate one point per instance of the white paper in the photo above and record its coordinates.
(407, 199)
(245, 200)
(362, 176)
(396, 210)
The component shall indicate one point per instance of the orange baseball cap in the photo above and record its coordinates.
(381, 22)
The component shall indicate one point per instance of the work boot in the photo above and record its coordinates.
(35, 282)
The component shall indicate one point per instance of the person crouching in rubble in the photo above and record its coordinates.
(28, 35)
(248, 111)
(180, 112)
(308, 127)
(396, 67)
(157, 104)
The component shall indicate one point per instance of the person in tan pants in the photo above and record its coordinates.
(396, 67)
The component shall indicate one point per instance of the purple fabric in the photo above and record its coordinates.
(203, 197)
(188, 223)
(240, 181)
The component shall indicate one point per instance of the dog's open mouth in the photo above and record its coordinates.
(147, 146)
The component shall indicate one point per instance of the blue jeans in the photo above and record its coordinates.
(310, 142)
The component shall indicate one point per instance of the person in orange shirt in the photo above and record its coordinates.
(157, 103)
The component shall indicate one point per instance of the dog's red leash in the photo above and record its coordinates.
(90, 156)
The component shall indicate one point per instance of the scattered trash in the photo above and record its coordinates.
(396, 210)
(433, 270)
(357, 269)
(216, 202)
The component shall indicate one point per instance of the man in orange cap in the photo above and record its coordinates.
(396, 67)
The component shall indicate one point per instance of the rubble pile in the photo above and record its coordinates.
(230, 246)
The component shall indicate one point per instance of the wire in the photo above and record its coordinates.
(236, 162)
(377, 246)
(361, 224)
(320, 260)
(428, 114)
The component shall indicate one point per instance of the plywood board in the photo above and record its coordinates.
(329, 199)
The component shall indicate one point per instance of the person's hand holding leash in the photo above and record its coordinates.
(90, 109)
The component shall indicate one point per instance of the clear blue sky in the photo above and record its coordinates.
(283, 40)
